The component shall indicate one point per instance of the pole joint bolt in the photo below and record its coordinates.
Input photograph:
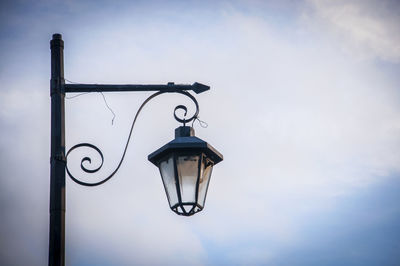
(59, 157)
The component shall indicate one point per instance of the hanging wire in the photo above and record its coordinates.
(202, 123)
(71, 81)
(83, 93)
(109, 108)
(80, 94)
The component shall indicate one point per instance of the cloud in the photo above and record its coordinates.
(368, 28)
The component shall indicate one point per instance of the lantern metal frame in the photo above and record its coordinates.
(186, 144)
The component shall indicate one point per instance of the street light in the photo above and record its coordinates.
(185, 163)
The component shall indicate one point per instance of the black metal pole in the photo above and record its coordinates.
(58, 88)
(57, 155)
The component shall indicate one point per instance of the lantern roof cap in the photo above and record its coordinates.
(185, 141)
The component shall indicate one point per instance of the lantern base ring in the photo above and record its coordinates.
(180, 209)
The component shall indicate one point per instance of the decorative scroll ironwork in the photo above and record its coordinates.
(184, 120)
(87, 160)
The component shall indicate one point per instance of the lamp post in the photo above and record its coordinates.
(185, 163)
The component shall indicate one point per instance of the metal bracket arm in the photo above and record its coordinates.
(87, 160)
(170, 87)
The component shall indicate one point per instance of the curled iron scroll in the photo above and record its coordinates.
(88, 160)
(184, 121)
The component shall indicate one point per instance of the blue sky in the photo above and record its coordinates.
(304, 106)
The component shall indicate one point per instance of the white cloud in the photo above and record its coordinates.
(368, 28)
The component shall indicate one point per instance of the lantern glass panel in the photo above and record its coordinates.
(188, 171)
(204, 180)
(167, 171)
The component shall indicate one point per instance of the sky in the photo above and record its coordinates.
(304, 105)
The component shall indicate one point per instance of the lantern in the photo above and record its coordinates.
(185, 165)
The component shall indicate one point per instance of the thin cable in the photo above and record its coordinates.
(71, 81)
(80, 94)
(77, 95)
(109, 108)
(83, 93)
(203, 124)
